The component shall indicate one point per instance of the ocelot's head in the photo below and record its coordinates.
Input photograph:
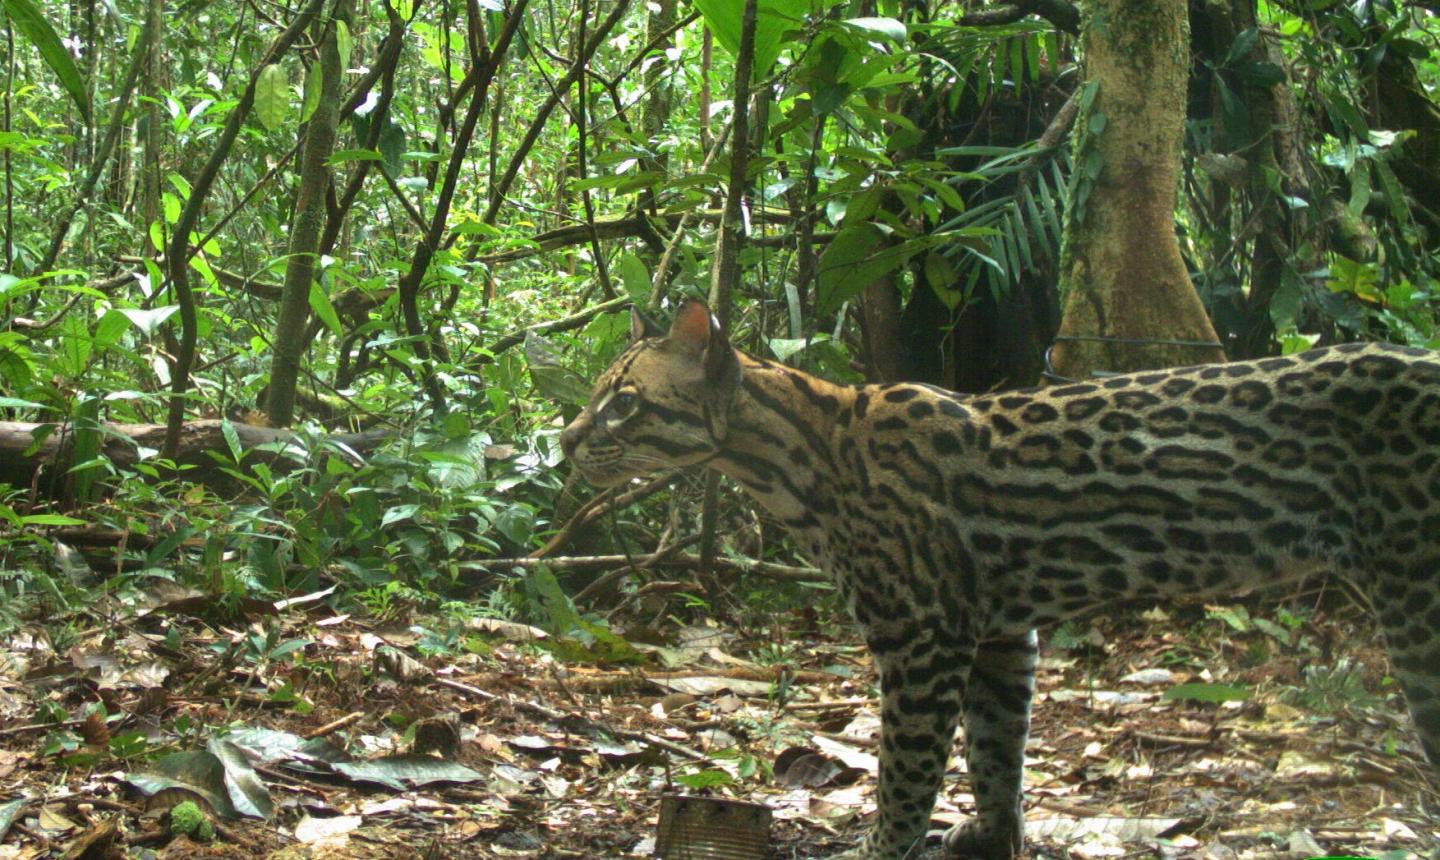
(664, 403)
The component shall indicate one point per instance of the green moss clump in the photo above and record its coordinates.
(186, 819)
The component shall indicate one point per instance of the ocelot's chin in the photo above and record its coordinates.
(605, 478)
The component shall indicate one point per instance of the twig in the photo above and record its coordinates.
(561, 717)
(837, 705)
(573, 321)
(598, 506)
(336, 725)
(785, 572)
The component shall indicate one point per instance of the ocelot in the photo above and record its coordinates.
(954, 526)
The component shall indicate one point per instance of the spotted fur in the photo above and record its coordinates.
(954, 526)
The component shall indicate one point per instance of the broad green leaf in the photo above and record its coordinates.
(232, 440)
(1242, 47)
(272, 97)
(552, 378)
(407, 770)
(786, 347)
(399, 513)
(887, 28)
(705, 779)
(180, 183)
(635, 277)
(854, 259)
(49, 520)
(74, 345)
(772, 19)
(1206, 693)
(344, 155)
(18, 403)
(343, 42)
(110, 328)
(314, 83)
(31, 23)
(171, 204)
(392, 147)
(16, 360)
(87, 446)
(320, 304)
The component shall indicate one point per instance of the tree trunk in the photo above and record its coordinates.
(1129, 303)
(153, 85)
(305, 232)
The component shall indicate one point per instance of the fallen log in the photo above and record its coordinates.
(43, 467)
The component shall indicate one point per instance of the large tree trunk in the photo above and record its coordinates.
(1129, 303)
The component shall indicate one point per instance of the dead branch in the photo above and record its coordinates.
(561, 717)
(784, 572)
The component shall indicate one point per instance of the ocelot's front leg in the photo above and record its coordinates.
(922, 680)
(997, 722)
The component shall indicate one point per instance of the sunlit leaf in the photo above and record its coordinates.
(272, 97)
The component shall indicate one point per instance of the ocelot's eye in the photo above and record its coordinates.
(623, 405)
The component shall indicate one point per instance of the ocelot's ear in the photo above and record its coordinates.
(642, 326)
(697, 332)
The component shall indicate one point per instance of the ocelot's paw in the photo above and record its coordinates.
(971, 839)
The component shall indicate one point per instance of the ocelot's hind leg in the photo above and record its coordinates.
(1409, 612)
(997, 723)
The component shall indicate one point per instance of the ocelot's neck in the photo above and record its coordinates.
(782, 441)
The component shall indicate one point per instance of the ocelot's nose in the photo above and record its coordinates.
(570, 436)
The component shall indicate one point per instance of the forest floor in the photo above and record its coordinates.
(307, 734)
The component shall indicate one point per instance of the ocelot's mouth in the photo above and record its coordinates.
(601, 477)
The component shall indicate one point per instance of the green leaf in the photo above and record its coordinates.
(171, 204)
(272, 97)
(552, 379)
(87, 446)
(853, 260)
(636, 278)
(49, 520)
(886, 28)
(109, 329)
(1261, 74)
(1206, 693)
(18, 403)
(399, 513)
(406, 770)
(705, 779)
(232, 440)
(1242, 46)
(343, 155)
(314, 83)
(74, 345)
(32, 25)
(343, 42)
(320, 304)
(772, 19)
(392, 147)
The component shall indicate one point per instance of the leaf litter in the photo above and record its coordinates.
(295, 730)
